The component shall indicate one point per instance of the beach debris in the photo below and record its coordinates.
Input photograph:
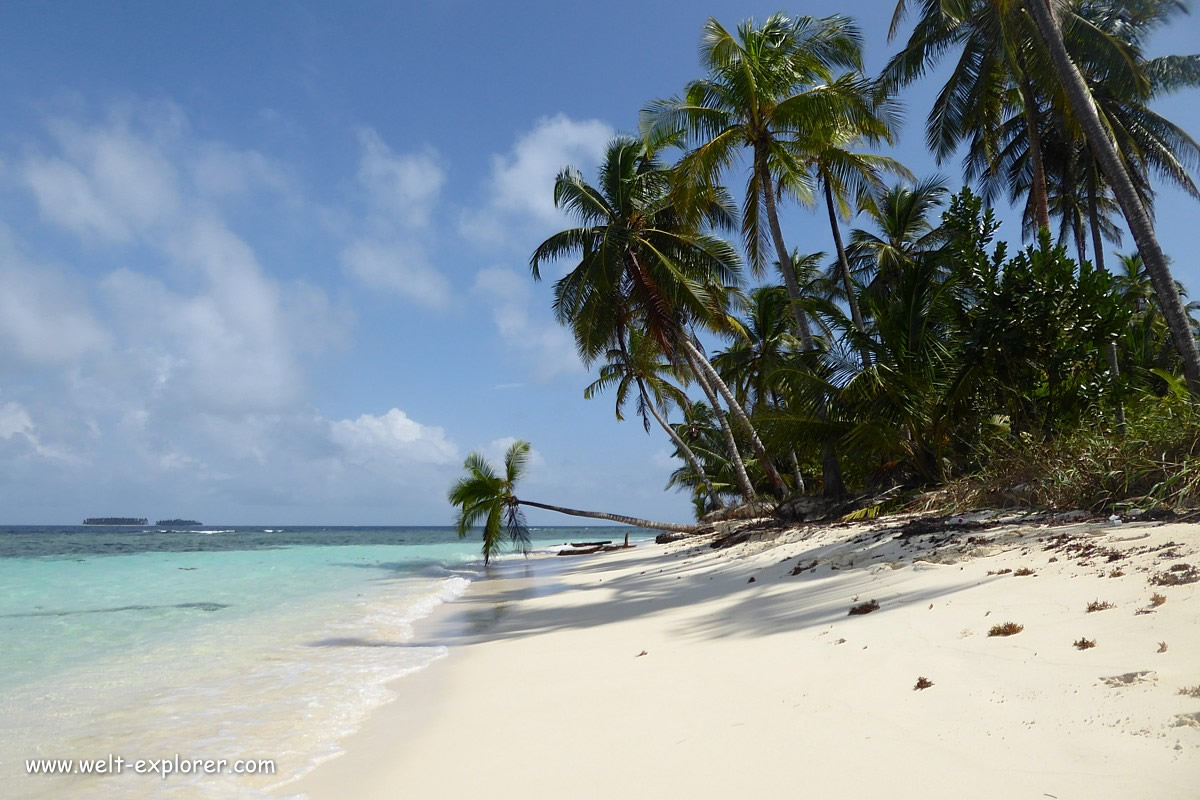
(1006, 629)
(1187, 720)
(1130, 678)
(1114, 520)
(864, 608)
(801, 567)
(1099, 605)
(643, 653)
(1084, 643)
(1177, 575)
(922, 683)
(1004, 571)
(1191, 691)
(1116, 572)
(1157, 599)
(1162, 647)
(1023, 571)
(752, 579)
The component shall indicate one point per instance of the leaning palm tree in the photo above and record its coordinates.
(1136, 216)
(636, 362)
(645, 261)
(764, 86)
(485, 497)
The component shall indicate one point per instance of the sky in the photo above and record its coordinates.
(268, 263)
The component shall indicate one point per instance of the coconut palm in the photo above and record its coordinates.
(487, 498)
(846, 176)
(644, 260)
(1136, 216)
(764, 85)
(903, 231)
(636, 363)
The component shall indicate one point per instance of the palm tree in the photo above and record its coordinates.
(845, 175)
(645, 261)
(1136, 216)
(903, 232)
(485, 496)
(636, 363)
(765, 84)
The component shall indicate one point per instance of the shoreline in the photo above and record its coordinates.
(754, 678)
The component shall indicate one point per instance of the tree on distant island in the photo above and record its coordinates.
(483, 495)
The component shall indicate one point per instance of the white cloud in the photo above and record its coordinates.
(44, 316)
(218, 170)
(401, 189)
(549, 348)
(520, 189)
(111, 182)
(397, 267)
(15, 423)
(392, 436)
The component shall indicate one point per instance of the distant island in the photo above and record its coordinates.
(163, 523)
(115, 521)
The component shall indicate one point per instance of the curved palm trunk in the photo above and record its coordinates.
(1104, 150)
(621, 518)
(739, 412)
(831, 468)
(735, 455)
(688, 455)
(847, 281)
(1110, 351)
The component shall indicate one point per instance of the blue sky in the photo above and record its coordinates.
(265, 262)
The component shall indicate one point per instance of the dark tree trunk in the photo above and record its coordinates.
(1110, 350)
(847, 280)
(1041, 205)
(1136, 217)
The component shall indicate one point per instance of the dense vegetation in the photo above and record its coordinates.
(924, 353)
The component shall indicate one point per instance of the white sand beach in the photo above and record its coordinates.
(683, 671)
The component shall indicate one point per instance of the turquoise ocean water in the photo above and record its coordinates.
(234, 642)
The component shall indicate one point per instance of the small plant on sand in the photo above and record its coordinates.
(1099, 605)
(1191, 691)
(1007, 629)
(1162, 647)
(864, 608)
(1084, 643)
(922, 683)
(1157, 599)
(1004, 571)
(1116, 573)
(1023, 571)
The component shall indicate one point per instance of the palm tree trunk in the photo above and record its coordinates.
(781, 252)
(831, 468)
(1136, 217)
(621, 518)
(735, 456)
(1110, 350)
(688, 455)
(847, 281)
(1041, 205)
(740, 413)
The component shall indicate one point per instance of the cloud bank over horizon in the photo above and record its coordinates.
(159, 345)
